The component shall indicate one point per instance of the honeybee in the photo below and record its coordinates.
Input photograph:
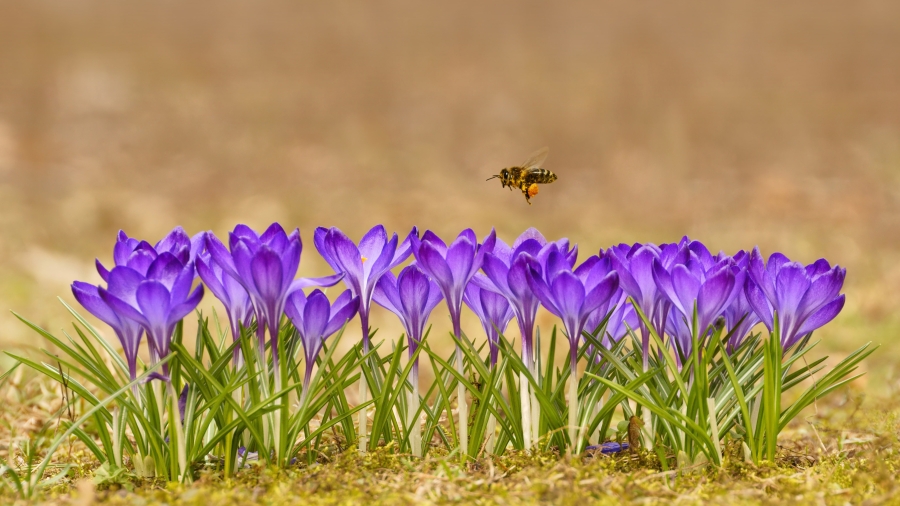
(527, 176)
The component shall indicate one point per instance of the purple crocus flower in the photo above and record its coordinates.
(805, 297)
(506, 272)
(265, 265)
(412, 297)
(573, 295)
(635, 268)
(699, 283)
(157, 299)
(622, 319)
(230, 292)
(494, 312)
(740, 317)
(139, 254)
(127, 330)
(453, 266)
(316, 319)
(362, 265)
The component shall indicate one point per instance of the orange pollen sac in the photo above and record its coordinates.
(533, 190)
(364, 259)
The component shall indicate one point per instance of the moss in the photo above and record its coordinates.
(843, 454)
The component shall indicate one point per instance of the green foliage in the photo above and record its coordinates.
(229, 403)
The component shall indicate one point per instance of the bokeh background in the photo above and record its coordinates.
(739, 123)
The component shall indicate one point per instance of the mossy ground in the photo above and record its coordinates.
(845, 453)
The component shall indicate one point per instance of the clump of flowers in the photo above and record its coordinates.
(694, 345)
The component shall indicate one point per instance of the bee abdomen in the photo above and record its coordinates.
(544, 176)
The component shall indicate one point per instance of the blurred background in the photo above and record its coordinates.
(738, 123)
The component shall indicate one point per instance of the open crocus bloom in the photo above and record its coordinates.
(573, 295)
(157, 298)
(453, 266)
(364, 264)
(494, 312)
(700, 282)
(505, 271)
(804, 297)
(412, 297)
(316, 319)
(265, 265)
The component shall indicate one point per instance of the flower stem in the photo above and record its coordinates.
(178, 436)
(573, 410)
(415, 428)
(463, 406)
(362, 431)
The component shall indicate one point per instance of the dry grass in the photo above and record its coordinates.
(842, 454)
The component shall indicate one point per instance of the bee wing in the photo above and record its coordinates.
(537, 158)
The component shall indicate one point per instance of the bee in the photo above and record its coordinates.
(527, 176)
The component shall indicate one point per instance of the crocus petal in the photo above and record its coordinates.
(210, 279)
(713, 295)
(497, 273)
(242, 231)
(220, 255)
(432, 262)
(121, 307)
(154, 303)
(822, 289)
(759, 302)
(460, 256)
(820, 266)
(666, 286)
(294, 305)
(124, 282)
(243, 259)
(387, 295)
(413, 286)
(267, 271)
(791, 284)
(141, 259)
(531, 234)
(315, 315)
(348, 257)
(568, 293)
(323, 282)
(87, 295)
(103, 271)
(182, 309)
(319, 242)
(290, 262)
(382, 262)
(824, 315)
(373, 242)
(601, 293)
(643, 270)
(344, 310)
(274, 237)
(543, 292)
(404, 250)
(432, 238)
(687, 287)
(182, 285)
(123, 248)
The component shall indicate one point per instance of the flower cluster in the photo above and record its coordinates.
(682, 288)
(660, 333)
